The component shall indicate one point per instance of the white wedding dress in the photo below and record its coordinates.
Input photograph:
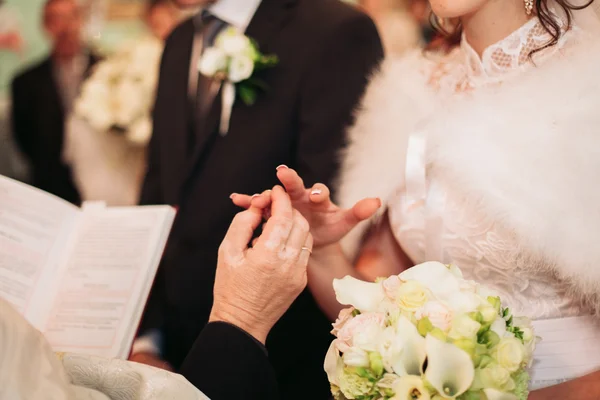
(30, 370)
(463, 149)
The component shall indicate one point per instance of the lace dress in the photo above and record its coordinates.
(485, 251)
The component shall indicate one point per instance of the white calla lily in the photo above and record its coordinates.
(333, 364)
(410, 387)
(449, 369)
(493, 394)
(362, 295)
(411, 356)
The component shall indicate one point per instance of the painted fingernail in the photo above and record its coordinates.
(232, 195)
(255, 195)
(316, 191)
(282, 166)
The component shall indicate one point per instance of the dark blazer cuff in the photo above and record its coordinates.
(228, 363)
(258, 343)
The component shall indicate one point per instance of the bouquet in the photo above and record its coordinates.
(427, 334)
(119, 95)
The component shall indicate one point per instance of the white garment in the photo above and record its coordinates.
(509, 151)
(30, 370)
(105, 166)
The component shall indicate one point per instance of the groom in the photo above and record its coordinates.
(326, 51)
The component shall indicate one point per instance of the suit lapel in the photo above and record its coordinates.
(270, 16)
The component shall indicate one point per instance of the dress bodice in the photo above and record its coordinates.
(468, 237)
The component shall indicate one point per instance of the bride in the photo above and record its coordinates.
(485, 156)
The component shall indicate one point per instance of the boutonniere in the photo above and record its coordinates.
(233, 60)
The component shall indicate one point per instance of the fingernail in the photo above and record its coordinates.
(316, 191)
(255, 195)
(233, 195)
(282, 166)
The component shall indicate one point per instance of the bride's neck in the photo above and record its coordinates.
(493, 22)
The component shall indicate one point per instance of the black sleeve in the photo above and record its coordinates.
(333, 86)
(227, 363)
(152, 193)
(21, 118)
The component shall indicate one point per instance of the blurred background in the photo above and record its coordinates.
(107, 28)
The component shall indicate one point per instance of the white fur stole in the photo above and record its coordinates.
(529, 149)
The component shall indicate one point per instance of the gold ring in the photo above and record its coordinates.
(307, 249)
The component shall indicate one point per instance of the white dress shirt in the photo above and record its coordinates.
(236, 13)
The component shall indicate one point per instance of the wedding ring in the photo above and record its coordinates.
(307, 249)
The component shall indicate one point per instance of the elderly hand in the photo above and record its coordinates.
(255, 286)
(328, 222)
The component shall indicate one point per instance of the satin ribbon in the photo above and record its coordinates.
(417, 195)
(227, 100)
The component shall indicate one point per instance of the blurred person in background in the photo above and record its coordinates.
(10, 35)
(398, 27)
(44, 94)
(109, 129)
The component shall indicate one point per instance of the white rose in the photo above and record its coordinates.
(438, 313)
(489, 313)
(411, 296)
(212, 61)
(233, 43)
(496, 377)
(129, 104)
(240, 68)
(435, 276)
(509, 353)
(499, 327)
(355, 357)
(464, 327)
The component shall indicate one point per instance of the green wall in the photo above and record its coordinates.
(36, 45)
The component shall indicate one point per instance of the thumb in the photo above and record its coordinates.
(362, 210)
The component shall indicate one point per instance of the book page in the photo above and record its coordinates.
(106, 280)
(34, 231)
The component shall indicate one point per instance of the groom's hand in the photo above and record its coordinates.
(328, 222)
(255, 286)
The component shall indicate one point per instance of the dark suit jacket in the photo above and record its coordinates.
(38, 120)
(327, 50)
(226, 363)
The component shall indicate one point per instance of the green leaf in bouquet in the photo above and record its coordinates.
(355, 312)
(476, 316)
(466, 345)
(471, 395)
(484, 361)
(495, 302)
(438, 334)
(521, 379)
(489, 339)
(376, 364)
(424, 326)
(247, 94)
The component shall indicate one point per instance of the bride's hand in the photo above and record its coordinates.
(328, 222)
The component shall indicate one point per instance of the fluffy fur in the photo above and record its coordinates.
(528, 149)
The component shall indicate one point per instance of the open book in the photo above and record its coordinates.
(80, 275)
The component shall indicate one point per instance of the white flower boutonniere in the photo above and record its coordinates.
(234, 59)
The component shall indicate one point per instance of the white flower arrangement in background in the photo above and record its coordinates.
(427, 334)
(119, 95)
(233, 60)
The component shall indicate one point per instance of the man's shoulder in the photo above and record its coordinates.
(325, 15)
(31, 71)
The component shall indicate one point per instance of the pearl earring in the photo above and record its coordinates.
(528, 6)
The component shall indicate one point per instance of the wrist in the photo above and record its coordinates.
(241, 319)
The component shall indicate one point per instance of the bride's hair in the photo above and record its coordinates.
(543, 11)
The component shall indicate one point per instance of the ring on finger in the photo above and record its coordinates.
(307, 249)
